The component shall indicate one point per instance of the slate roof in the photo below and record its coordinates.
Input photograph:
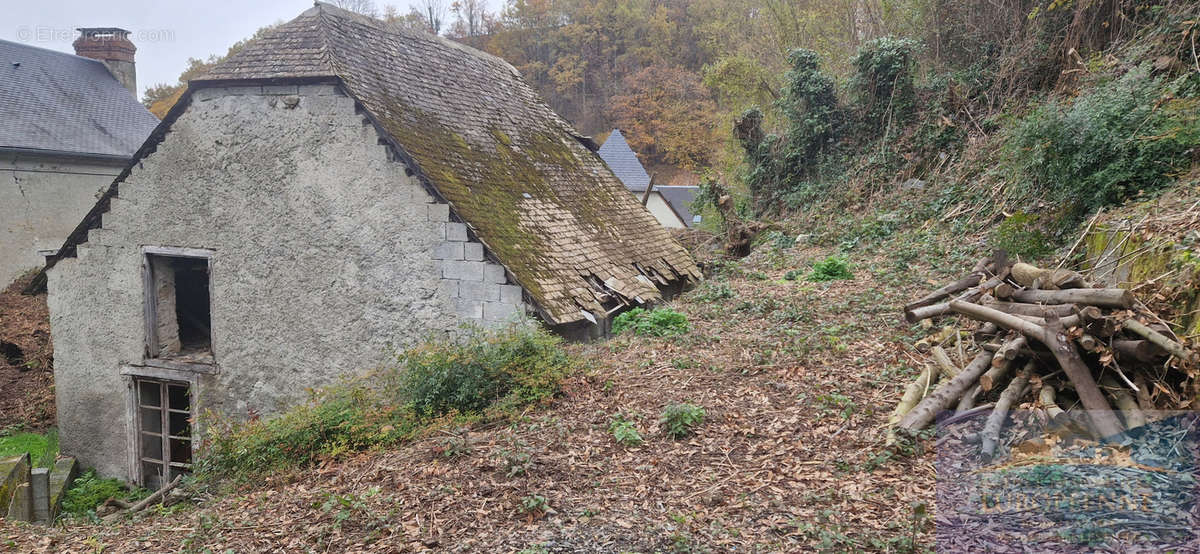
(62, 103)
(680, 200)
(520, 177)
(624, 162)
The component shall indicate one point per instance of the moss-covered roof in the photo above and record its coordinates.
(518, 175)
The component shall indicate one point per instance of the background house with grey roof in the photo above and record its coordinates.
(337, 188)
(671, 205)
(68, 125)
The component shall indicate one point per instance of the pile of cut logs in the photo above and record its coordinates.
(1073, 348)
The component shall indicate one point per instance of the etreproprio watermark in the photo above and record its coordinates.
(47, 34)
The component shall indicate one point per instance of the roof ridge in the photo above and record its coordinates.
(324, 8)
(52, 51)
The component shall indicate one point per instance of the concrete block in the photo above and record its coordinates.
(438, 212)
(510, 294)
(21, 507)
(498, 311)
(448, 288)
(279, 90)
(472, 251)
(448, 251)
(456, 231)
(64, 473)
(471, 309)
(479, 290)
(463, 271)
(13, 472)
(40, 485)
(494, 273)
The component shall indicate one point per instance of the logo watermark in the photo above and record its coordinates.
(46, 34)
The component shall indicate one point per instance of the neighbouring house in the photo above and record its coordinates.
(671, 205)
(68, 126)
(337, 188)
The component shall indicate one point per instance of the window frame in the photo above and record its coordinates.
(150, 347)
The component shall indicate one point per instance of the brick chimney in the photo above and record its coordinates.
(111, 46)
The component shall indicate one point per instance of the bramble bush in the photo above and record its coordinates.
(680, 420)
(882, 82)
(483, 375)
(832, 268)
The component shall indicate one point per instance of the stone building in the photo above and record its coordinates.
(336, 188)
(670, 205)
(68, 125)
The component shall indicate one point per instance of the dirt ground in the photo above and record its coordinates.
(26, 361)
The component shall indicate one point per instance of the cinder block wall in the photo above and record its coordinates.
(326, 257)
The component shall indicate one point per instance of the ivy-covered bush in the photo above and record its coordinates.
(882, 82)
(780, 166)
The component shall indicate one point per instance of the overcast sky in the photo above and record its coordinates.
(166, 33)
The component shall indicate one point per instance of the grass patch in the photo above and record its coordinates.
(660, 322)
(42, 449)
(483, 376)
(832, 268)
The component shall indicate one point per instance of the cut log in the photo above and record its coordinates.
(1089, 343)
(925, 312)
(936, 339)
(1142, 351)
(1010, 351)
(971, 280)
(1055, 338)
(1158, 339)
(912, 395)
(944, 363)
(988, 380)
(995, 421)
(1026, 274)
(968, 399)
(1106, 298)
(1004, 291)
(1035, 310)
(946, 394)
(986, 330)
(1046, 398)
(1125, 402)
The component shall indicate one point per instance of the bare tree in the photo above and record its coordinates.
(365, 7)
(471, 15)
(434, 13)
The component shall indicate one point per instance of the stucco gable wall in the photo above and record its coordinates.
(325, 254)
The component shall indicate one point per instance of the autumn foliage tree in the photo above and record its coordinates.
(667, 115)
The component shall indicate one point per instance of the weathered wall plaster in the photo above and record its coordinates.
(41, 200)
(325, 256)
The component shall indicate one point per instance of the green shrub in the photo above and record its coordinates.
(830, 269)
(482, 375)
(679, 420)
(1020, 236)
(1126, 135)
(89, 491)
(520, 366)
(624, 431)
(661, 322)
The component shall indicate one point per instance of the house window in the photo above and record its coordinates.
(178, 309)
(164, 424)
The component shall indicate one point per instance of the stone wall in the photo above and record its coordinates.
(41, 200)
(325, 257)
